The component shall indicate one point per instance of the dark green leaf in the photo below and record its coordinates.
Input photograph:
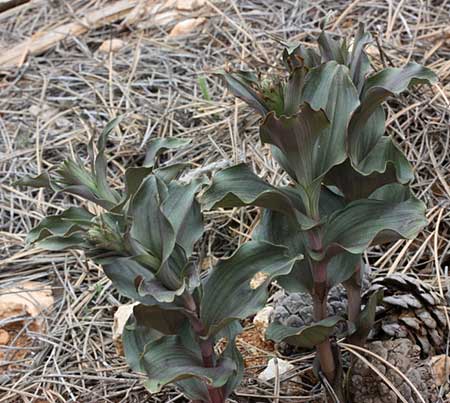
(150, 227)
(39, 181)
(330, 49)
(298, 56)
(359, 62)
(128, 276)
(306, 336)
(72, 219)
(293, 91)
(366, 319)
(279, 229)
(168, 359)
(295, 136)
(183, 211)
(241, 85)
(160, 145)
(237, 287)
(238, 186)
(390, 81)
(364, 222)
(330, 88)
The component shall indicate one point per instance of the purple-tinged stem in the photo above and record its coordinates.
(320, 294)
(206, 346)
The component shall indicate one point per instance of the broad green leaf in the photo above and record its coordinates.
(150, 227)
(237, 287)
(365, 222)
(167, 322)
(99, 167)
(238, 186)
(183, 211)
(75, 240)
(134, 177)
(157, 146)
(359, 62)
(230, 333)
(39, 181)
(305, 336)
(362, 141)
(341, 267)
(393, 81)
(242, 84)
(147, 324)
(295, 136)
(293, 91)
(330, 88)
(279, 229)
(366, 319)
(393, 192)
(330, 49)
(170, 172)
(356, 186)
(295, 56)
(175, 272)
(72, 219)
(383, 154)
(387, 82)
(128, 276)
(168, 359)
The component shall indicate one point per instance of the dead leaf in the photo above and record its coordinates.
(440, 366)
(111, 45)
(29, 298)
(262, 318)
(186, 26)
(258, 280)
(274, 366)
(120, 319)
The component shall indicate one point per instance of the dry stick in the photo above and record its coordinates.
(7, 4)
(43, 41)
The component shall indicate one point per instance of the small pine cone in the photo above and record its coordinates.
(366, 386)
(410, 309)
(296, 310)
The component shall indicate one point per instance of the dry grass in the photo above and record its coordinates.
(55, 102)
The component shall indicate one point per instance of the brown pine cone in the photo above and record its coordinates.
(410, 309)
(366, 386)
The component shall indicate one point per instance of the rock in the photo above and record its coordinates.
(271, 369)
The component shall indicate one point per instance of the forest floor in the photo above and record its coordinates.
(55, 95)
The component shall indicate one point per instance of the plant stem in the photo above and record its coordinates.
(320, 294)
(206, 345)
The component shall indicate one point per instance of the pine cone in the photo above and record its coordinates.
(410, 309)
(367, 386)
(297, 309)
